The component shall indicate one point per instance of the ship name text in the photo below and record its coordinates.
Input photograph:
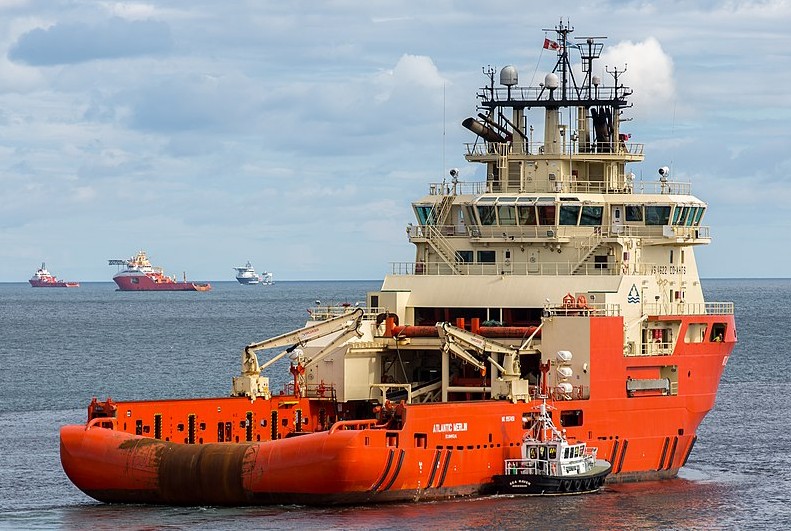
(450, 427)
(668, 270)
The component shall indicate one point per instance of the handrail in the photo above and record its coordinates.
(688, 308)
(356, 425)
(101, 420)
(518, 233)
(506, 268)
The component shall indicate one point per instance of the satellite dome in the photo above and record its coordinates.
(509, 76)
(551, 81)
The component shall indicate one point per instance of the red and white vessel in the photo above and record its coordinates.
(44, 279)
(557, 275)
(140, 275)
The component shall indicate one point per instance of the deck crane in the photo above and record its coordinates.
(251, 384)
(509, 382)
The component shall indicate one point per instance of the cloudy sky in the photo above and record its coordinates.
(295, 134)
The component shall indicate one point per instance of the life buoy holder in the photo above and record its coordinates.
(582, 301)
(568, 300)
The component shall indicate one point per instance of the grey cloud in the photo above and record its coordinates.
(78, 43)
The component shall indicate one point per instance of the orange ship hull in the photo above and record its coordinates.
(234, 451)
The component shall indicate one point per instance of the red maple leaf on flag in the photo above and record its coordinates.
(551, 45)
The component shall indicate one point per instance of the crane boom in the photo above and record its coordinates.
(509, 382)
(251, 383)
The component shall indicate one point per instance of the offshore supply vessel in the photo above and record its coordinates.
(42, 278)
(558, 277)
(139, 275)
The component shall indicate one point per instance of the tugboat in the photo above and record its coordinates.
(550, 465)
(557, 275)
(246, 275)
(44, 279)
(140, 275)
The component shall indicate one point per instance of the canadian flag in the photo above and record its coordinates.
(551, 45)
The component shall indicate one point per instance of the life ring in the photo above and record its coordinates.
(582, 301)
(568, 300)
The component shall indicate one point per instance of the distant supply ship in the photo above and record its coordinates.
(140, 275)
(556, 280)
(44, 279)
(246, 275)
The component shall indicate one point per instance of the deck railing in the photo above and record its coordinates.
(688, 308)
(517, 233)
(506, 268)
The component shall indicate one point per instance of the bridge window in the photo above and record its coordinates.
(424, 215)
(507, 214)
(527, 214)
(591, 215)
(693, 213)
(569, 214)
(699, 215)
(634, 213)
(657, 215)
(487, 215)
(546, 215)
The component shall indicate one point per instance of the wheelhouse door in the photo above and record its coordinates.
(616, 217)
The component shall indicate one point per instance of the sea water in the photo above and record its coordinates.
(60, 347)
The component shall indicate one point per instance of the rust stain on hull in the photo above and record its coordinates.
(205, 474)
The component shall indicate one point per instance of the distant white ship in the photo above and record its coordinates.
(246, 275)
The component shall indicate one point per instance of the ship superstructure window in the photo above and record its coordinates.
(546, 214)
(591, 215)
(486, 257)
(690, 219)
(634, 213)
(569, 214)
(657, 214)
(464, 257)
(527, 211)
(699, 215)
(486, 211)
(425, 214)
(506, 210)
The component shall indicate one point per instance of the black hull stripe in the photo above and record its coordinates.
(664, 453)
(434, 467)
(672, 452)
(623, 454)
(397, 471)
(445, 468)
(689, 450)
(614, 452)
(386, 470)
